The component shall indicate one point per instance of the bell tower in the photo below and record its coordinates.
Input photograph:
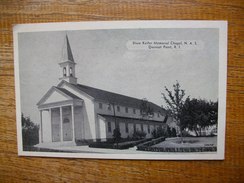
(67, 64)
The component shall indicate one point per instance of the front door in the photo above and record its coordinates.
(67, 124)
(55, 120)
(67, 129)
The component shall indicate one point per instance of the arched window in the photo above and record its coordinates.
(64, 71)
(70, 71)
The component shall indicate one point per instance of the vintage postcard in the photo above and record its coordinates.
(152, 90)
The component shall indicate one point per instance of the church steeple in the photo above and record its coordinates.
(67, 63)
(67, 53)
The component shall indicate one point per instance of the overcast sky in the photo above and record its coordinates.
(104, 61)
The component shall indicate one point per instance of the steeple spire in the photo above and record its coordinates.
(68, 64)
(67, 53)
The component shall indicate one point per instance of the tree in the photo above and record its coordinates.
(173, 132)
(175, 102)
(30, 131)
(198, 114)
(145, 109)
(117, 136)
(159, 132)
(169, 132)
(116, 132)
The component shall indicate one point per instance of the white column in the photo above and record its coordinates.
(50, 116)
(73, 122)
(41, 129)
(61, 124)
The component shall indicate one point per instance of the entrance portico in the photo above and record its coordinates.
(62, 123)
(59, 116)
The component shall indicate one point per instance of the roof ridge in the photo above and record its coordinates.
(111, 97)
(125, 117)
(110, 92)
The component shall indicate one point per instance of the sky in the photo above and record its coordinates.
(104, 61)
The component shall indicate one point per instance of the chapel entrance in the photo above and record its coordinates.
(67, 125)
(55, 119)
(61, 121)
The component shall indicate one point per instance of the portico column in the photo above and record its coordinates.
(50, 117)
(73, 122)
(41, 128)
(61, 124)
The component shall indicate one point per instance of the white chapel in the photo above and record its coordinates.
(71, 112)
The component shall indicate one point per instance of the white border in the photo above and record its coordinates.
(221, 25)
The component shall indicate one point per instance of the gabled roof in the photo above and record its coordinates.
(60, 90)
(67, 93)
(114, 98)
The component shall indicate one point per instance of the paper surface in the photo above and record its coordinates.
(96, 89)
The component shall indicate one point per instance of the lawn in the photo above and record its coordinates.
(188, 142)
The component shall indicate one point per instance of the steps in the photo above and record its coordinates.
(55, 144)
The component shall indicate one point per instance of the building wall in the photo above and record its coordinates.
(87, 112)
(105, 133)
(97, 128)
(109, 134)
(105, 110)
(102, 127)
(122, 130)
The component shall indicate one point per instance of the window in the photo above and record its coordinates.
(100, 105)
(118, 108)
(70, 71)
(134, 127)
(109, 107)
(142, 127)
(126, 109)
(109, 127)
(158, 114)
(134, 111)
(148, 128)
(64, 71)
(126, 128)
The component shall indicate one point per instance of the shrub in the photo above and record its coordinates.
(169, 132)
(116, 135)
(159, 132)
(173, 132)
(186, 134)
(139, 134)
(123, 145)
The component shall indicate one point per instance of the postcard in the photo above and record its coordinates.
(152, 90)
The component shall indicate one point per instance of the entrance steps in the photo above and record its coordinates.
(55, 144)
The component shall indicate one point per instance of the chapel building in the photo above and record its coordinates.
(72, 112)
